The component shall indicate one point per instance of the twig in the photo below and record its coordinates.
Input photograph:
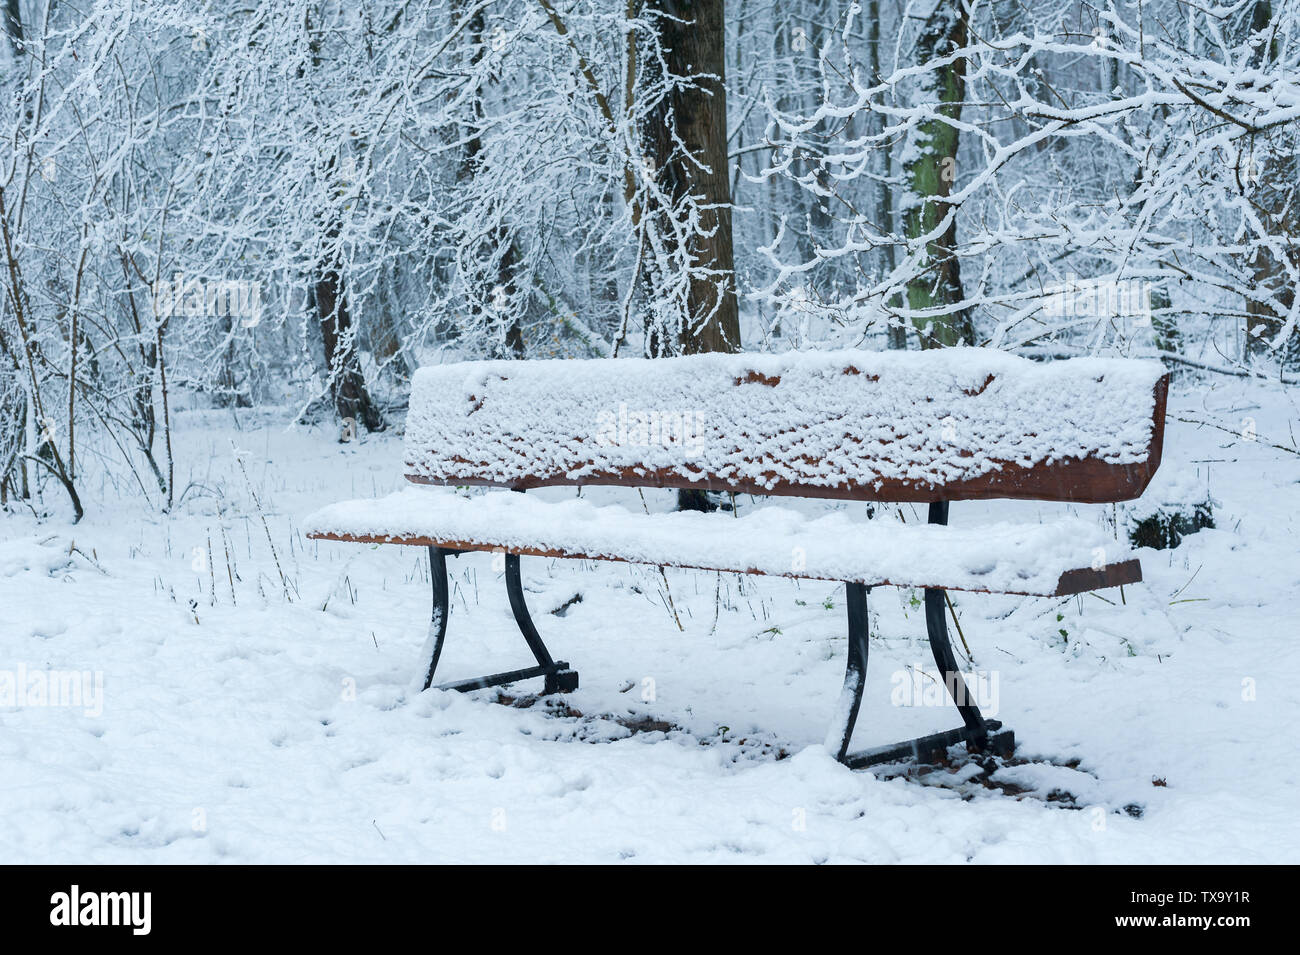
(266, 527)
(1255, 440)
(670, 604)
(74, 549)
(212, 573)
(957, 623)
(1186, 585)
(225, 544)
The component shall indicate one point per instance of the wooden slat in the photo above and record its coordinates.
(1085, 579)
(1087, 481)
(1075, 581)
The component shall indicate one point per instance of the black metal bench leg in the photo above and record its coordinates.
(946, 660)
(441, 608)
(977, 733)
(556, 673)
(936, 624)
(559, 678)
(855, 672)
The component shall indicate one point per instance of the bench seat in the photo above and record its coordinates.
(1051, 559)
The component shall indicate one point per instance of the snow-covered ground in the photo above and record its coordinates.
(253, 696)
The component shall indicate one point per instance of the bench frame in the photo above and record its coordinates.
(979, 734)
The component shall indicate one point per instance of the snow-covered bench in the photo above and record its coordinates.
(927, 427)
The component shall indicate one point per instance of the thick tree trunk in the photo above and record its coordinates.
(692, 34)
(929, 170)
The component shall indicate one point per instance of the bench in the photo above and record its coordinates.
(922, 427)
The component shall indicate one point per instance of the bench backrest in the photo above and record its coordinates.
(948, 424)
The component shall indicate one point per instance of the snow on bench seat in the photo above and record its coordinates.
(1033, 559)
(951, 424)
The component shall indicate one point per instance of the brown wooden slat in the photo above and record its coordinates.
(1085, 579)
(1072, 581)
(1087, 481)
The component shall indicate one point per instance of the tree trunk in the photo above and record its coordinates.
(929, 170)
(488, 277)
(897, 334)
(328, 296)
(14, 418)
(692, 34)
(347, 383)
(1274, 181)
(384, 331)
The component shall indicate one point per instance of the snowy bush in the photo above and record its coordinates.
(1175, 504)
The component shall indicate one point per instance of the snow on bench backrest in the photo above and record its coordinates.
(892, 426)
